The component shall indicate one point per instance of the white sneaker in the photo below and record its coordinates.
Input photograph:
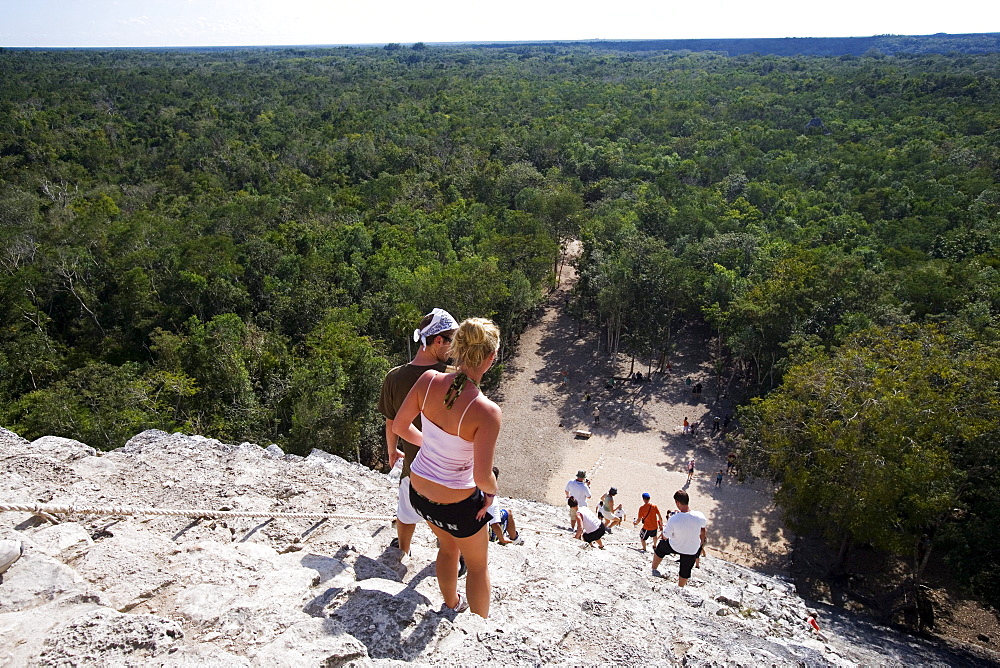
(462, 605)
(518, 540)
(10, 551)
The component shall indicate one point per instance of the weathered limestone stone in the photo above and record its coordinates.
(128, 566)
(313, 642)
(392, 620)
(109, 637)
(62, 541)
(36, 579)
(24, 632)
(276, 591)
(62, 449)
(10, 444)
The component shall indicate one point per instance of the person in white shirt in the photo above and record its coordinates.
(589, 528)
(503, 529)
(683, 534)
(579, 489)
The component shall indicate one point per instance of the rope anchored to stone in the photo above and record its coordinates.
(56, 509)
(46, 510)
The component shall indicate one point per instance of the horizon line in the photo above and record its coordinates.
(485, 42)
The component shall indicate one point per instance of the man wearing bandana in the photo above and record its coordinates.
(434, 334)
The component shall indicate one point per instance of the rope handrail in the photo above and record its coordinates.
(44, 509)
(57, 509)
(62, 509)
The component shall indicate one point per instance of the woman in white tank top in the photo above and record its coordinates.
(451, 479)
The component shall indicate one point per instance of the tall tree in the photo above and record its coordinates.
(871, 443)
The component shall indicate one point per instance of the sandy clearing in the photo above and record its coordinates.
(637, 446)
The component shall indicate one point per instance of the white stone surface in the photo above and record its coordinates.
(106, 590)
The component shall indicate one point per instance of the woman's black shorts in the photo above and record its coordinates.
(458, 519)
(595, 534)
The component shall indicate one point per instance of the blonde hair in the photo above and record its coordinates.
(475, 340)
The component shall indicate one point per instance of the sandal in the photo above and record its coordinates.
(462, 604)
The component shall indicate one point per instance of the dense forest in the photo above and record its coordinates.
(238, 243)
(885, 45)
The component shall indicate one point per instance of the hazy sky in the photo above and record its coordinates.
(274, 22)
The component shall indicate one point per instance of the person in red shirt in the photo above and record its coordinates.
(652, 521)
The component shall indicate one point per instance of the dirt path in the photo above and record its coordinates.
(638, 446)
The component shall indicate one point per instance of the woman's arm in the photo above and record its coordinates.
(393, 442)
(484, 444)
(402, 424)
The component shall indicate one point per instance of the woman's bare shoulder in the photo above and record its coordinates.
(431, 376)
(431, 373)
(489, 408)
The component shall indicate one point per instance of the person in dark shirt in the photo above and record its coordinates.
(434, 334)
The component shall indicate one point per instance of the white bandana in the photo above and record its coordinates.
(441, 322)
